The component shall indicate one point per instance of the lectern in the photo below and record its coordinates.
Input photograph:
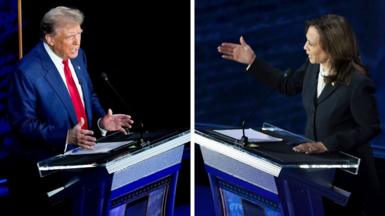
(137, 178)
(269, 178)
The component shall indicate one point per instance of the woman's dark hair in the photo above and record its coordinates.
(338, 40)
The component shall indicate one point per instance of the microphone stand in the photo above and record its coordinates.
(142, 142)
(244, 141)
(141, 139)
(105, 78)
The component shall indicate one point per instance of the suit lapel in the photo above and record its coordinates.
(327, 91)
(56, 82)
(315, 82)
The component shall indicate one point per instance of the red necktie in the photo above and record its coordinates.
(75, 96)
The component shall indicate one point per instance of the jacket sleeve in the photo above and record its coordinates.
(25, 119)
(288, 83)
(364, 111)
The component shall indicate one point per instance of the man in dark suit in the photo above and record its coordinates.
(52, 104)
(339, 101)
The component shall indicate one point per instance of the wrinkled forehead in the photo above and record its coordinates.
(67, 26)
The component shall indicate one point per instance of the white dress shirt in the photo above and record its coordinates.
(321, 81)
(58, 62)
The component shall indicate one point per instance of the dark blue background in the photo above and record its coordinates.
(225, 94)
(8, 58)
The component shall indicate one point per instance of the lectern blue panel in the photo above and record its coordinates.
(269, 178)
(137, 178)
(239, 197)
(150, 199)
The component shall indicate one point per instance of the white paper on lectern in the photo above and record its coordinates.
(98, 148)
(252, 135)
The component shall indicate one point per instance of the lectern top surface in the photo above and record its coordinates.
(136, 143)
(281, 153)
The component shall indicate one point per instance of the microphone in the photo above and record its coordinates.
(142, 141)
(244, 139)
(121, 99)
(105, 78)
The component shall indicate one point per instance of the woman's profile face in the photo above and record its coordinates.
(313, 47)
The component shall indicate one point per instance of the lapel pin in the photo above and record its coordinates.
(78, 67)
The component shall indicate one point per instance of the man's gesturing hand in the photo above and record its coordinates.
(81, 137)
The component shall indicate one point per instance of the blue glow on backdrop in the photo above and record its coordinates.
(8, 59)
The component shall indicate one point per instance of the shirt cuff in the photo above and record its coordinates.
(248, 66)
(102, 131)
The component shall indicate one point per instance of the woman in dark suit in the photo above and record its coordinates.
(339, 101)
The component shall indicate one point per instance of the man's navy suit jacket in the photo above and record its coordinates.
(40, 107)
